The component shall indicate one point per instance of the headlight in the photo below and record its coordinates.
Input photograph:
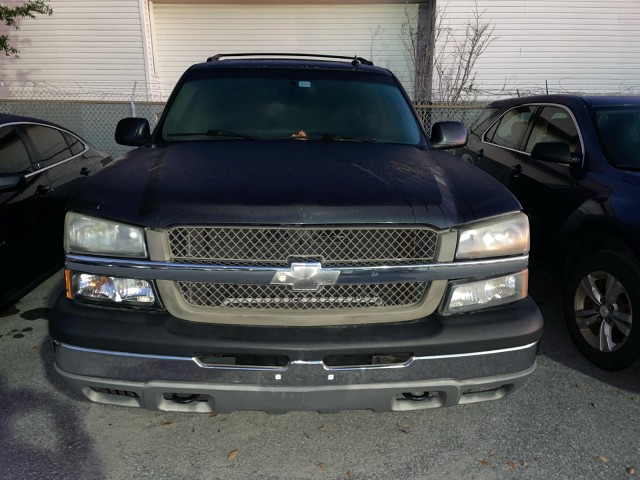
(508, 235)
(84, 234)
(103, 288)
(465, 297)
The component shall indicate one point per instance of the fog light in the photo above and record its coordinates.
(465, 297)
(130, 291)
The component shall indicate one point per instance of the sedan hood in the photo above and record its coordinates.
(291, 182)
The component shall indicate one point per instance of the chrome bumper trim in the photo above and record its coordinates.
(148, 270)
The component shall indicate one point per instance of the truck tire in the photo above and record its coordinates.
(602, 295)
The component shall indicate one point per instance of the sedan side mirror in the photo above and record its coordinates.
(449, 135)
(133, 132)
(554, 152)
(12, 181)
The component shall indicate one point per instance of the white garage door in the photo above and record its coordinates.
(185, 34)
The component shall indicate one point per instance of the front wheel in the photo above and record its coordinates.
(601, 296)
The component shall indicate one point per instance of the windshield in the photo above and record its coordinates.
(261, 104)
(619, 132)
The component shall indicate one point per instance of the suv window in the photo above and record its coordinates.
(619, 132)
(277, 104)
(554, 124)
(75, 144)
(510, 129)
(50, 145)
(483, 116)
(13, 155)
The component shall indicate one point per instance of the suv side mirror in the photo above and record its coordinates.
(12, 181)
(133, 132)
(554, 152)
(448, 135)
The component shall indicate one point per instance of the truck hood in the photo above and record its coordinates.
(291, 182)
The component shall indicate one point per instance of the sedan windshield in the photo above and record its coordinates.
(619, 132)
(282, 104)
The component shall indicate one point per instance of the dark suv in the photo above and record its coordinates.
(288, 239)
(574, 164)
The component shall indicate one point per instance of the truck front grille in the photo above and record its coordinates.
(350, 246)
(281, 297)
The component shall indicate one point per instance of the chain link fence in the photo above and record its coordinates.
(96, 120)
(430, 114)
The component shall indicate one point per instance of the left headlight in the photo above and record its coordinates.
(85, 234)
(501, 236)
(107, 289)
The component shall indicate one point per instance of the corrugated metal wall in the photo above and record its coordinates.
(96, 49)
(84, 45)
(187, 34)
(590, 46)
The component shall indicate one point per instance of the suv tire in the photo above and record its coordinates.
(601, 295)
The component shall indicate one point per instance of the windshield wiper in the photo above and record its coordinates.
(214, 133)
(227, 133)
(336, 136)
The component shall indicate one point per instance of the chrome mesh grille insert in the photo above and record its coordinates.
(283, 298)
(280, 246)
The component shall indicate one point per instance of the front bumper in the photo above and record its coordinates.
(183, 384)
(153, 360)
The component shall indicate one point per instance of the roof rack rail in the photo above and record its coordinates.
(355, 60)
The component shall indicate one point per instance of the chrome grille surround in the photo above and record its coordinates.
(342, 246)
(167, 276)
(264, 297)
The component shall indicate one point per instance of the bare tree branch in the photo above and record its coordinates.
(451, 58)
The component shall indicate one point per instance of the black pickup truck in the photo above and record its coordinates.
(288, 238)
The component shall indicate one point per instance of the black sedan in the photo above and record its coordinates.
(41, 166)
(574, 164)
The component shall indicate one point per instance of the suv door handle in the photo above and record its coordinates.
(43, 190)
(516, 170)
(85, 171)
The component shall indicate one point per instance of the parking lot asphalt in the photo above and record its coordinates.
(571, 420)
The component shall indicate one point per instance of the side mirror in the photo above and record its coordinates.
(449, 135)
(554, 152)
(12, 181)
(133, 132)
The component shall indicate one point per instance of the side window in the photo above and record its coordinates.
(13, 155)
(75, 144)
(510, 129)
(554, 124)
(51, 147)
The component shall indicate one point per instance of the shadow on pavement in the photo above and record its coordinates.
(39, 433)
(40, 429)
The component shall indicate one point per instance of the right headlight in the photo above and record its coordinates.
(500, 236)
(86, 234)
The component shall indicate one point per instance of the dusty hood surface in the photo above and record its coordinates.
(291, 182)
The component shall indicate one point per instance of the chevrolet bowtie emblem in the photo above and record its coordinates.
(305, 277)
